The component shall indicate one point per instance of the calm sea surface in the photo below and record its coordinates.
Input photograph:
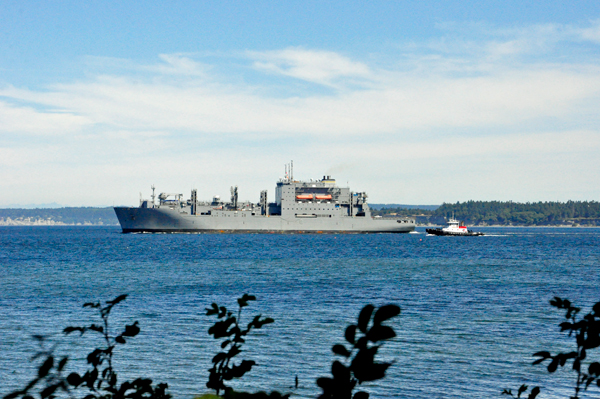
(474, 309)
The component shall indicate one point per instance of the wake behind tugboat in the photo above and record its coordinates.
(453, 228)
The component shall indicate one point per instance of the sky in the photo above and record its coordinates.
(413, 102)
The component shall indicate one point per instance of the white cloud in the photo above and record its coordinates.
(477, 120)
(323, 67)
(18, 119)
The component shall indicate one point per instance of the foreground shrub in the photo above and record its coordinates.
(586, 335)
(101, 380)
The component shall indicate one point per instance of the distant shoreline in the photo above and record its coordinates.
(45, 223)
(16, 223)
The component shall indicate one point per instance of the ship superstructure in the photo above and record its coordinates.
(313, 206)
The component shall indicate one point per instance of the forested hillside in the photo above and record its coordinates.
(59, 216)
(585, 213)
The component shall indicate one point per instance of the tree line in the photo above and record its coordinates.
(507, 213)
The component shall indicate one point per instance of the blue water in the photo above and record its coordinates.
(474, 309)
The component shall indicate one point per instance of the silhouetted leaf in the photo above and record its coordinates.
(214, 309)
(220, 328)
(45, 367)
(565, 326)
(380, 333)
(233, 351)
(361, 343)
(364, 317)
(62, 363)
(325, 383)
(594, 368)
(119, 339)
(49, 390)
(534, 392)
(257, 322)
(340, 350)
(94, 357)
(223, 311)
(219, 357)
(339, 371)
(385, 313)
(95, 327)
(131, 330)
(361, 395)
(553, 365)
(243, 301)
(350, 333)
(373, 372)
(117, 299)
(69, 330)
(243, 368)
(543, 356)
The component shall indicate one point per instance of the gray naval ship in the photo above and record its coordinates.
(314, 206)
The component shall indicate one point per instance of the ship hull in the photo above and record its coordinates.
(166, 220)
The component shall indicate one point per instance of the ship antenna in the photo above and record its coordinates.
(153, 203)
(292, 167)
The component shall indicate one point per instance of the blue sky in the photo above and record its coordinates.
(414, 102)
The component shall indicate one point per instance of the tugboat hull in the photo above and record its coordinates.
(440, 232)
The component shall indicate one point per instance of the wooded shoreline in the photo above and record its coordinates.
(472, 213)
